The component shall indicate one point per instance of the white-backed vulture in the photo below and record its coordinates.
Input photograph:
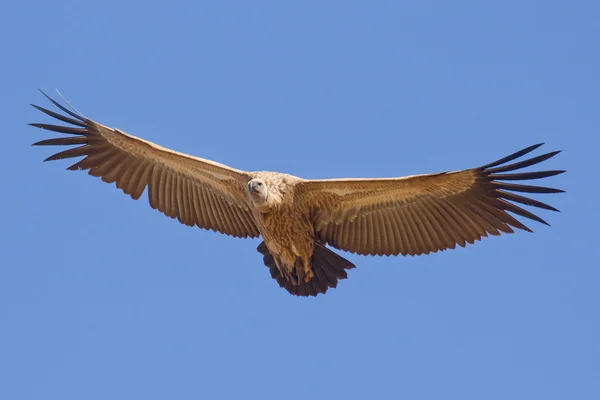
(298, 218)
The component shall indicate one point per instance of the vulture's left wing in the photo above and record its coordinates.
(193, 190)
(424, 213)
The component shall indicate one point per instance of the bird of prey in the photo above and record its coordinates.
(298, 218)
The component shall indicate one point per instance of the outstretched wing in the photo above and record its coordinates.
(193, 190)
(424, 213)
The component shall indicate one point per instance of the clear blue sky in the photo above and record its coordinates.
(102, 297)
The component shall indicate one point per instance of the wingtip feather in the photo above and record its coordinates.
(512, 156)
(75, 114)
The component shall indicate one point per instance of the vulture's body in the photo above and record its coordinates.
(298, 218)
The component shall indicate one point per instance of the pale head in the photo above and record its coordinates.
(258, 192)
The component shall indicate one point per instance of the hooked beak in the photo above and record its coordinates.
(251, 187)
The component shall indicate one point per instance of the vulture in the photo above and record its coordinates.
(299, 220)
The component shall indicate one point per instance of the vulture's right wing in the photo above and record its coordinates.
(193, 190)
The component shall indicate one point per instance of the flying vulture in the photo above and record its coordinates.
(299, 218)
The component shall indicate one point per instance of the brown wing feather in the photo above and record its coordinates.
(193, 190)
(425, 213)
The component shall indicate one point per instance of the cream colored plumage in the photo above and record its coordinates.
(297, 218)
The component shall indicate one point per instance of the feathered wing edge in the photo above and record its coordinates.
(501, 194)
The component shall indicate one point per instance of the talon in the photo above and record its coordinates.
(308, 275)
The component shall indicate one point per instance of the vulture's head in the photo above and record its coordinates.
(258, 191)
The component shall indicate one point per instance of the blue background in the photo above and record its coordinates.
(103, 298)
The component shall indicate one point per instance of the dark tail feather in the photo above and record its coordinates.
(328, 268)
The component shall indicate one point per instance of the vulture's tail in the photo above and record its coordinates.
(328, 268)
